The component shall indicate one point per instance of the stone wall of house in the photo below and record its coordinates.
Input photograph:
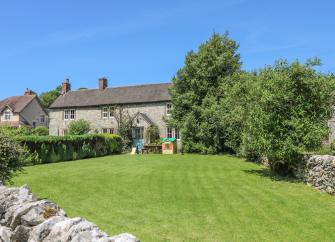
(319, 171)
(154, 111)
(32, 113)
(25, 218)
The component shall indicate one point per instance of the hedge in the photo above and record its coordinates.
(47, 149)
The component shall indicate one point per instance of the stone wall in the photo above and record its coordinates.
(319, 171)
(25, 218)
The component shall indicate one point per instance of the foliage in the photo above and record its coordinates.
(47, 98)
(294, 103)
(208, 198)
(125, 123)
(13, 131)
(11, 155)
(152, 134)
(79, 127)
(25, 131)
(40, 131)
(46, 149)
(196, 93)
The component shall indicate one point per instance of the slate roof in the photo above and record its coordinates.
(16, 103)
(115, 95)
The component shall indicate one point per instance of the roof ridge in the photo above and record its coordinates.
(141, 85)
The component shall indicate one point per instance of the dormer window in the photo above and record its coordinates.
(8, 115)
(168, 108)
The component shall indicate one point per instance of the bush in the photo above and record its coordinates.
(40, 131)
(11, 155)
(79, 127)
(46, 149)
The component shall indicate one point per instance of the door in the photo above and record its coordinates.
(138, 140)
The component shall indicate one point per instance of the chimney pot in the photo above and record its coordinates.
(103, 83)
(66, 86)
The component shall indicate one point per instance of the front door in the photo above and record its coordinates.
(138, 140)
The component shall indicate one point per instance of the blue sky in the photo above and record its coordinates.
(133, 42)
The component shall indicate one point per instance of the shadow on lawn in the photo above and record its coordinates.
(267, 173)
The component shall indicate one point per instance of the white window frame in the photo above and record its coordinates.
(172, 133)
(105, 112)
(8, 115)
(107, 131)
(168, 108)
(69, 114)
(169, 132)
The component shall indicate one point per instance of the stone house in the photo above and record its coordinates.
(148, 105)
(26, 110)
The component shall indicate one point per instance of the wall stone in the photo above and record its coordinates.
(319, 171)
(25, 218)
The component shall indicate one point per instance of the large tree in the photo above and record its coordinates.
(47, 98)
(290, 114)
(197, 92)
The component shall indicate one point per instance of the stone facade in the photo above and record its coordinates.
(25, 218)
(154, 111)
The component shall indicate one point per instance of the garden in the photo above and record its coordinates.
(185, 198)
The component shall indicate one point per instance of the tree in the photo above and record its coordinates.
(79, 127)
(197, 92)
(125, 123)
(10, 158)
(47, 98)
(294, 103)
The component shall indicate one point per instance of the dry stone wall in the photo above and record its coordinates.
(24, 218)
(319, 171)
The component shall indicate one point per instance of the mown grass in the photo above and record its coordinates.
(185, 198)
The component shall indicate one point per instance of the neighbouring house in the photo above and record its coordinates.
(148, 105)
(26, 110)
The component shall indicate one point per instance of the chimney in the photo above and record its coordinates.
(28, 92)
(103, 83)
(66, 86)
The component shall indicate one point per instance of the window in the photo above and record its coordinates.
(107, 131)
(169, 132)
(69, 114)
(168, 108)
(8, 115)
(172, 133)
(111, 112)
(137, 132)
(42, 119)
(107, 112)
(72, 114)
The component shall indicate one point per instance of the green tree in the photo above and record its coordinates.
(47, 98)
(10, 158)
(197, 92)
(294, 103)
(79, 127)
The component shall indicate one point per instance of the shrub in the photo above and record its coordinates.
(152, 134)
(79, 127)
(46, 149)
(40, 131)
(11, 155)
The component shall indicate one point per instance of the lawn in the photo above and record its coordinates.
(185, 198)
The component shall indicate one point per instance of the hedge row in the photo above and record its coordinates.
(47, 149)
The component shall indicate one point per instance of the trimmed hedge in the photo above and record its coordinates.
(47, 149)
